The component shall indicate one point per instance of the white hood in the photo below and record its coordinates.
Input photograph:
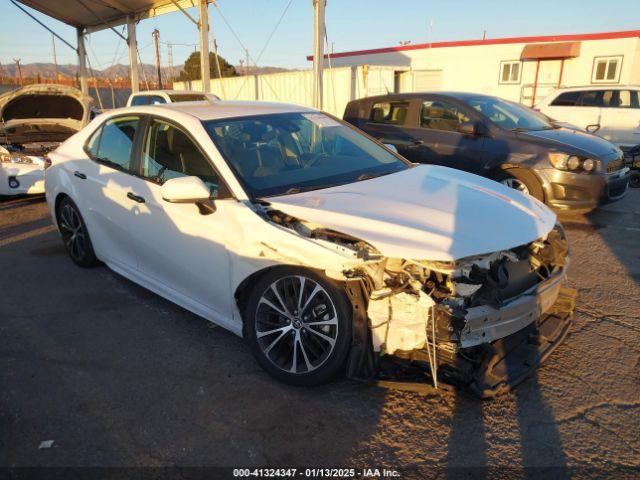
(426, 213)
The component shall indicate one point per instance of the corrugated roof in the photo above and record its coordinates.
(94, 14)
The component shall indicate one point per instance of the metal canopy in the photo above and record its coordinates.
(95, 15)
(88, 16)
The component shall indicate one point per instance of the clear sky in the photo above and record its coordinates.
(351, 24)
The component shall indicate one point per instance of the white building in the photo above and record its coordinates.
(523, 69)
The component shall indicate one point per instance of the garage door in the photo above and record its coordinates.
(427, 80)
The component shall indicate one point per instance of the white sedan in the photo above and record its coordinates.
(319, 245)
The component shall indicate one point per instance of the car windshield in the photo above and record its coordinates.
(510, 116)
(293, 152)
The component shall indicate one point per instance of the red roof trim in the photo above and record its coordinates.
(491, 41)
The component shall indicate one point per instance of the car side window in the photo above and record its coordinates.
(566, 99)
(626, 99)
(140, 100)
(390, 113)
(113, 142)
(591, 98)
(170, 153)
(441, 115)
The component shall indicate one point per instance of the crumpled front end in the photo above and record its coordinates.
(466, 321)
(463, 319)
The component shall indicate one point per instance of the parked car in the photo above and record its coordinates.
(611, 112)
(498, 139)
(317, 244)
(33, 121)
(154, 97)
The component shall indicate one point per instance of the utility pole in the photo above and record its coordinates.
(203, 26)
(156, 42)
(241, 61)
(246, 56)
(55, 58)
(215, 54)
(170, 60)
(318, 50)
(17, 60)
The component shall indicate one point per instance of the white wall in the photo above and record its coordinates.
(340, 85)
(477, 68)
(467, 68)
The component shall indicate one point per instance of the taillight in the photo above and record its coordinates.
(47, 162)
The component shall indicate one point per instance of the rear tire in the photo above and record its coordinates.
(634, 179)
(298, 325)
(75, 234)
(523, 181)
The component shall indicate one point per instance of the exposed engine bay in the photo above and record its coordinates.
(448, 314)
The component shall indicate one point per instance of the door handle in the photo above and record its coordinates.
(80, 175)
(417, 142)
(135, 198)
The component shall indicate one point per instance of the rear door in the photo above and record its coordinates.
(620, 120)
(439, 139)
(387, 120)
(103, 183)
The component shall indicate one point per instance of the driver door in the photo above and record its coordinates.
(179, 249)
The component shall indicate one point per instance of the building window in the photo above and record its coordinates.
(510, 71)
(606, 69)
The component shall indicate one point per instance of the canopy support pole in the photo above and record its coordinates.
(318, 51)
(204, 45)
(82, 61)
(133, 57)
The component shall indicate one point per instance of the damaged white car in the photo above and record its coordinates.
(328, 252)
(33, 121)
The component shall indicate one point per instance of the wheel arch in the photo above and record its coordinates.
(505, 167)
(242, 291)
(59, 198)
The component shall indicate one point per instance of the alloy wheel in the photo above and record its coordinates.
(515, 184)
(72, 232)
(296, 324)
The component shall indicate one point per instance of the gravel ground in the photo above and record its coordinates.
(117, 376)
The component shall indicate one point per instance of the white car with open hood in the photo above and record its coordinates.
(324, 249)
(33, 121)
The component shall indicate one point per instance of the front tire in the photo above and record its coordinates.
(523, 181)
(75, 234)
(298, 325)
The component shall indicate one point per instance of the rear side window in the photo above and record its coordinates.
(147, 100)
(113, 142)
(170, 153)
(390, 113)
(626, 99)
(439, 115)
(567, 99)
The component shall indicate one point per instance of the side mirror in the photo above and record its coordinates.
(592, 128)
(468, 128)
(188, 190)
(391, 147)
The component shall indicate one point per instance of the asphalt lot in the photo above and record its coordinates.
(117, 376)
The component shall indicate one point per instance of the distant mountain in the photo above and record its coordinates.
(118, 71)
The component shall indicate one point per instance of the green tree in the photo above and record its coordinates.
(191, 70)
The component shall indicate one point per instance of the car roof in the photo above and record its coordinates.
(598, 87)
(221, 109)
(406, 96)
(169, 92)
